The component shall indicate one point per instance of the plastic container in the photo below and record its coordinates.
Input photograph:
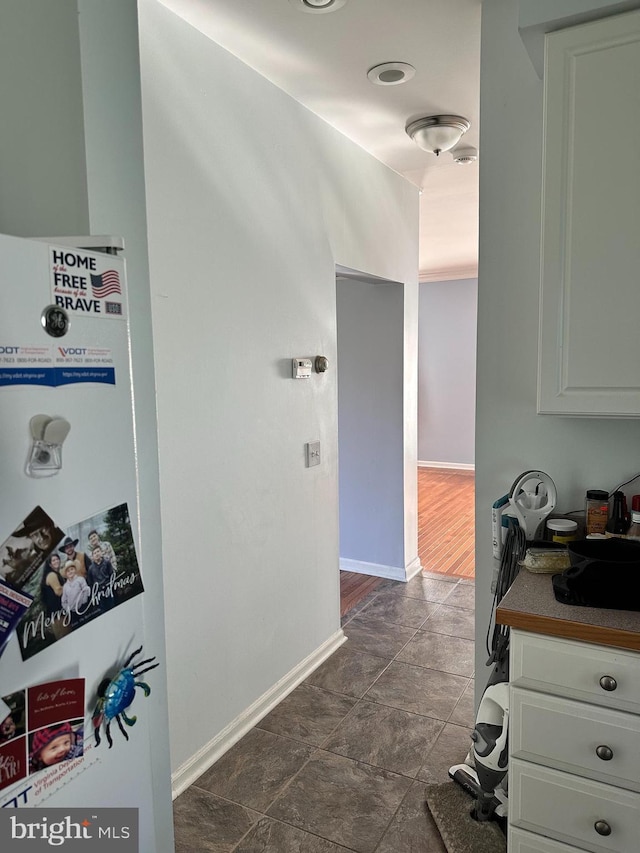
(562, 530)
(546, 560)
(596, 511)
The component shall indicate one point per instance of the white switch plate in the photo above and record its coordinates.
(312, 453)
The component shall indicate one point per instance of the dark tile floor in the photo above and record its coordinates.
(340, 764)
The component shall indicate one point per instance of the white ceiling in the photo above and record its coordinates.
(322, 60)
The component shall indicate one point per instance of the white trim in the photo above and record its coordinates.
(448, 274)
(376, 570)
(414, 568)
(200, 761)
(347, 272)
(456, 466)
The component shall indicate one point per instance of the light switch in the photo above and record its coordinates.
(312, 453)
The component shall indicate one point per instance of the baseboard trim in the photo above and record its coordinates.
(377, 570)
(455, 466)
(195, 766)
(414, 568)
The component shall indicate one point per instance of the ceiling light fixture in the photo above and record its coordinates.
(391, 73)
(317, 6)
(435, 134)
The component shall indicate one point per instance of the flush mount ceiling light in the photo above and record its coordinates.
(437, 133)
(391, 73)
(317, 6)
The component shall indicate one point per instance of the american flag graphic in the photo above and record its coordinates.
(105, 284)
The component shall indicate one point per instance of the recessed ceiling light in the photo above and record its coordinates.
(391, 73)
(317, 6)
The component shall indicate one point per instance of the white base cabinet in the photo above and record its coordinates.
(574, 742)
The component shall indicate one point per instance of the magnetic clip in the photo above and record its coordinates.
(48, 435)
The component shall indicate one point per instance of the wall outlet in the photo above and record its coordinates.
(312, 453)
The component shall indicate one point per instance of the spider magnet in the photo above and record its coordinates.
(115, 695)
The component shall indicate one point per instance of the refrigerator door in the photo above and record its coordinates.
(83, 378)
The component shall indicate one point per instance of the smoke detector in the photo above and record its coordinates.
(465, 155)
(317, 6)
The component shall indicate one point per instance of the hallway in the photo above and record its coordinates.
(446, 521)
(340, 764)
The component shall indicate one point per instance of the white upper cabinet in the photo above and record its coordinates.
(589, 347)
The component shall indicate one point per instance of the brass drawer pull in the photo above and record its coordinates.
(604, 752)
(602, 827)
(608, 683)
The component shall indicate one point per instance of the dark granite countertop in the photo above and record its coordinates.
(531, 606)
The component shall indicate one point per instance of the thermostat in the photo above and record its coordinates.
(302, 368)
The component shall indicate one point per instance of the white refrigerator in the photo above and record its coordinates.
(75, 721)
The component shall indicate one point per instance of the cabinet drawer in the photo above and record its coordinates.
(567, 808)
(576, 670)
(566, 734)
(526, 842)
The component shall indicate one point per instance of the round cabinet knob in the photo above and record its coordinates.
(604, 752)
(321, 364)
(602, 827)
(608, 683)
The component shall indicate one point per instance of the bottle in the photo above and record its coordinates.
(634, 531)
(617, 524)
(627, 514)
(597, 511)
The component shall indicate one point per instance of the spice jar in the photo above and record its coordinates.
(562, 530)
(597, 511)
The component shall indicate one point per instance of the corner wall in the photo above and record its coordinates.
(252, 201)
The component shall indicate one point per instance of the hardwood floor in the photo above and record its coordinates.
(446, 519)
(446, 535)
(353, 587)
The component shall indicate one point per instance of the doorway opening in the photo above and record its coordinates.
(371, 432)
(447, 324)
(446, 521)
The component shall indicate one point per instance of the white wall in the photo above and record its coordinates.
(370, 426)
(447, 371)
(252, 201)
(511, 438)
(42, 151)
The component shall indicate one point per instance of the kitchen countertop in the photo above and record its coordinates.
(531, 606)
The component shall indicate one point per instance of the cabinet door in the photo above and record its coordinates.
(589, 345)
